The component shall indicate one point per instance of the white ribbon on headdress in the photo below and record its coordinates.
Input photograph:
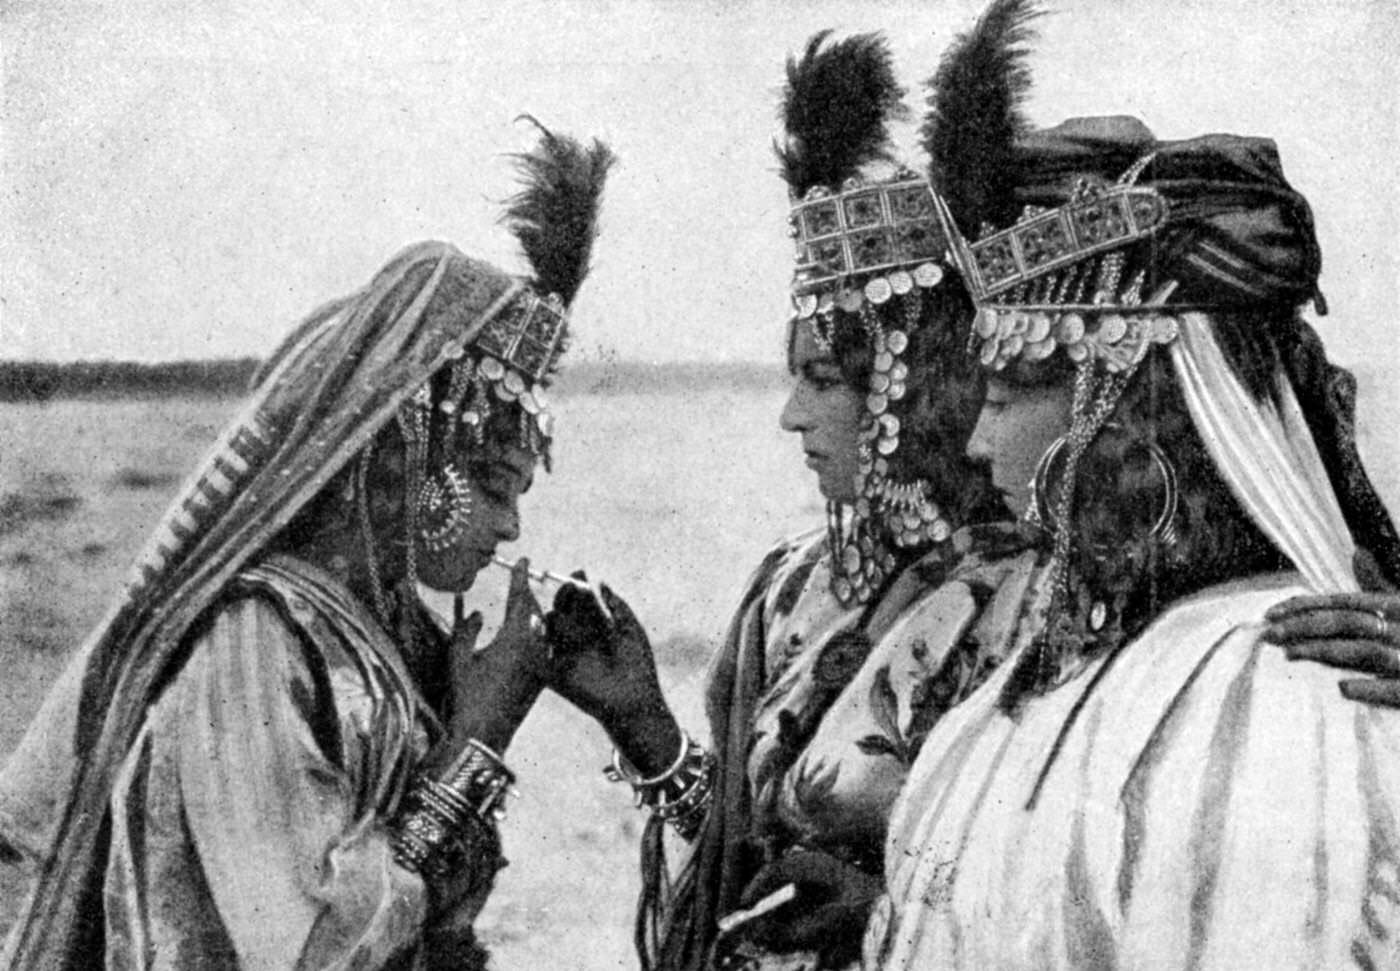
(1267, 456)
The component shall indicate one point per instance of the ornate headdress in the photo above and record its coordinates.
(513, 357)
(555, 219)
(1091, 243)
(868, 250)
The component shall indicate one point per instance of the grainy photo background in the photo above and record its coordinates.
(184, 180)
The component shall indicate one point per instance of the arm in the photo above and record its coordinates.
(299, 873)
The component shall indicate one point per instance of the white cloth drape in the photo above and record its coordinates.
(1267, 456)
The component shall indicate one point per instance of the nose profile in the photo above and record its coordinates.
(794, 416)
(979, 445)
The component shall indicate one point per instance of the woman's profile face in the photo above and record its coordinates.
(1015, 427)
(827, 412)
(496, 475)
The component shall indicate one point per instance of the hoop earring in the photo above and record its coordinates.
(444, 506)
(1041, 512)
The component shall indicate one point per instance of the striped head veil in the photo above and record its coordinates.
(321, 398)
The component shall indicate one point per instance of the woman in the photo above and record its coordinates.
(269, 755)
(1146, 782)
(824, 689)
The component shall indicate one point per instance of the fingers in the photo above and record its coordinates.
(1375, 603)
(470, 626)
(1371, 691)
(808, 869)
(1333, 625)
(465, 631)
(622, 614)
(520, 577)
(521, 604)
(1367, 657)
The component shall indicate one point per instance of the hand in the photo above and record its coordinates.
(606, 669)
(494, 688)
(828, 915)
(1356, 631)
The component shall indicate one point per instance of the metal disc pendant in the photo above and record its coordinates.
(985, 323)
(928, 275)
(901, 282)
(878, 290)
(1112, 328)
(1070, 329)
(850, 559)
(806, 305)
(897, 341)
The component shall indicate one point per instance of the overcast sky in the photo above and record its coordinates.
(187, 179)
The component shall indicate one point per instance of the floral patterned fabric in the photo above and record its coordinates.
(817, 711)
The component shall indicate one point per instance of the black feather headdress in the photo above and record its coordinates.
(836, 109)
(555, 216)
(975, 115)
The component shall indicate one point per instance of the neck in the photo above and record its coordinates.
(341, 552)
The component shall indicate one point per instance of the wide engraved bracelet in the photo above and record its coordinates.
(448, 822)
(681, 795)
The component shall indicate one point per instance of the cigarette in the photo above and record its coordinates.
(543, 576)
(771, 902)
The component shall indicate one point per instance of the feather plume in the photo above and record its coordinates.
(975, 102)
(836, 108)
(555, 215)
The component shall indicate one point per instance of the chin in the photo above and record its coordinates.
(448, 581)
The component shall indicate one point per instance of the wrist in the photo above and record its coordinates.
(493, 724)
(649, 740)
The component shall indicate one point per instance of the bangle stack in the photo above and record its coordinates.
(681, 795)
(447, 823)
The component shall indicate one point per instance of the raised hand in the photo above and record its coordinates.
(604, 666)
(828, 913)
(494, 688)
